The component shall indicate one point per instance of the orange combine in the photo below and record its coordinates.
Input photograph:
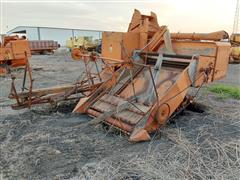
(146, 75)
(14, 52)
(152, 77)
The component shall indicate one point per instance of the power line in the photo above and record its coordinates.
(236, 19)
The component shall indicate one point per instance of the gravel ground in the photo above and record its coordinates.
(53, 143)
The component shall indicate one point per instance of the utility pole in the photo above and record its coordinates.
(236, 19)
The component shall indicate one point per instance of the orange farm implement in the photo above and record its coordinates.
(13, 53)
(146, 75)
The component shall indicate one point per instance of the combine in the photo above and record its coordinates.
(146, 76)
(14, 52)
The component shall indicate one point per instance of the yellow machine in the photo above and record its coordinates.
(83, 42)
(235, 49)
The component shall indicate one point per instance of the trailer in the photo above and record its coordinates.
(43, 46)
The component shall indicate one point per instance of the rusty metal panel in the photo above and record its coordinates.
(222, 60)
(19, 48)
(2, 53)
(194, 48)
(119, 45)
(111, 44)
(143, 85)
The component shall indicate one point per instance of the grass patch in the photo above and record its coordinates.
(225, 91)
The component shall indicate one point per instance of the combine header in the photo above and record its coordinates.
(147, 75)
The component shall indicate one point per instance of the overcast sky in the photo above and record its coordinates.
(178, 15)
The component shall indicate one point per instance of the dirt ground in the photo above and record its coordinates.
(53, 143)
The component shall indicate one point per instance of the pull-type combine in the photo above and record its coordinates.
(14, 52)
(152, 77)
(147, 75)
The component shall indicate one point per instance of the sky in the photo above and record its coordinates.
(115, 15)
